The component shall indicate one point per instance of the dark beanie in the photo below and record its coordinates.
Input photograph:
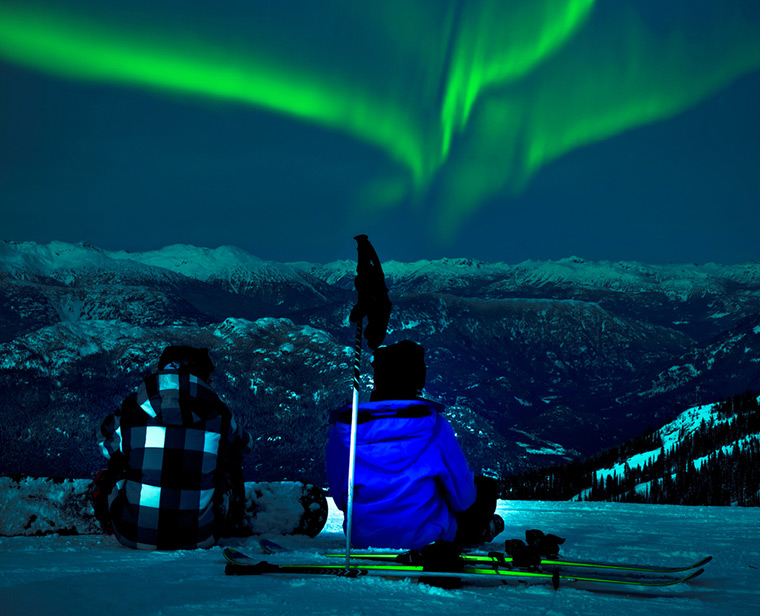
(400, 371)
(196, 361)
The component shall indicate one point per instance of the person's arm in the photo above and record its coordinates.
(109, 438)
(239, 437)
(336, 462)
(456, 477)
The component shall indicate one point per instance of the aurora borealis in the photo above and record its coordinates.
(442, 123)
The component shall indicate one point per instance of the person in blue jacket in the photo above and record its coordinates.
(412, 483)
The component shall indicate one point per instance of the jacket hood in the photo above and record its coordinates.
(391, 434)
(176, 397)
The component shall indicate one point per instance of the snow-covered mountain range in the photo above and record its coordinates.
(536, 362)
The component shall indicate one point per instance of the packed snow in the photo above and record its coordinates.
(93, 574)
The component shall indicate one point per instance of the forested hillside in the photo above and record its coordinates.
(710, 455)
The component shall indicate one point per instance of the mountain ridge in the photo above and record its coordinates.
(530, 359)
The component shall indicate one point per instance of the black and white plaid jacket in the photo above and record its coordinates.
(170, 442)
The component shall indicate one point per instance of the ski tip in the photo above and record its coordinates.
(270, 547)
(697, 573)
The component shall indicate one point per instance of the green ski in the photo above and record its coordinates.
(500, 559)
(240, 564)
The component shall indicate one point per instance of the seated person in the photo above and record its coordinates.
(412, 484)
(174, 479)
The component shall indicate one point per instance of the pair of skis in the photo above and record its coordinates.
(479, 568)
(498, 559)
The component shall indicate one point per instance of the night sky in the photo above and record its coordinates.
(500, 130)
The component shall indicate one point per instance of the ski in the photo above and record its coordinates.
(241, 564)
(498, 558)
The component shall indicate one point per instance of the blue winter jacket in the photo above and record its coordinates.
(411, 476)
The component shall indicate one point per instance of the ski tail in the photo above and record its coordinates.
(270, 547)
(236, 557)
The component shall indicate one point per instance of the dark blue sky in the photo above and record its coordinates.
(632, 135)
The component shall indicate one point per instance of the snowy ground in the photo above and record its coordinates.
(94, 575)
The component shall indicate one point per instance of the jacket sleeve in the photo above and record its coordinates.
(109, 438)
(336, 462)
(239, 437)
(456, 477)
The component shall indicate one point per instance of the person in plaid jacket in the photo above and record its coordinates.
(174, 478)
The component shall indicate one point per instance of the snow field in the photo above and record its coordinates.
(92, 574)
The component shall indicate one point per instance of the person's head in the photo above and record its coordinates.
(193, 360)
(400, 371)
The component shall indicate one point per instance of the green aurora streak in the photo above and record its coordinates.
(472, 98)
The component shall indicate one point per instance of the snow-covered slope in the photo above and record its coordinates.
(710, 436)
(724, 360)
(673, 433)
(52, 349)
(78, 576)
(670, 435)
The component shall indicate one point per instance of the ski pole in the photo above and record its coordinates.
(352, 445)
